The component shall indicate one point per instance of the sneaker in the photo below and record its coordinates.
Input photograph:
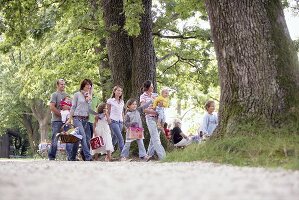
(146, 158)
(123, 159)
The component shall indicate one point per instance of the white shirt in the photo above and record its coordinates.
(209, 123)
(65, 114)
(117, 107)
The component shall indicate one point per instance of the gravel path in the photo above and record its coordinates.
(55, 180)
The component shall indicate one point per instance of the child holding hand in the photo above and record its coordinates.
(133, 120)
(101, 128)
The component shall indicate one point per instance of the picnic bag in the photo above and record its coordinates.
(70, 136)
(97, 142)
(135, 133)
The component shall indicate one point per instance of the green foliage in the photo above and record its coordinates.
(266, 148)
(46, 40)
(133, 10)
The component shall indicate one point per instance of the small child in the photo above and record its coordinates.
(167, 131)
(210, 120)
(160, 103)
(101, 128)
(65, 105)
(133, 119)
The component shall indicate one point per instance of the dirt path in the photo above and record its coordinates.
(29, 180)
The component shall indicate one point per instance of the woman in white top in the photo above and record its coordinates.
(115, 110)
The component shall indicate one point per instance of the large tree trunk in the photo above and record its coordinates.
(119, 44)
(42, 114)
(143, 63)
(132, 59)
(258, 66)
(31, 131)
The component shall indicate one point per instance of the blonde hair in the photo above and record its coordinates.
(176, 122)
(164, 89)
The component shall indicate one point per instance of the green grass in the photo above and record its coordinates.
(264, 150)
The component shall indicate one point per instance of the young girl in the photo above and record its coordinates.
(101, 128)
(133, 119)
(65, 105)
(210, 119)
(115, 110)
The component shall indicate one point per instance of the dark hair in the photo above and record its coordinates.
(114, 89)
(208, 104)
(101, 107)
(57, 82)
(165, 125)
(85, 82)
(130, 102)
(146, 85)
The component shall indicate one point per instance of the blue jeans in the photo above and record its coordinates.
(56, 128)
(155, 142)
(81, 123)
(116, 128)
(126, 150)
(161, 114)
(89, 130)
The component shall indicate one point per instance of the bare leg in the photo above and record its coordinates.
(108, 156)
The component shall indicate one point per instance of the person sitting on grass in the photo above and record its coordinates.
(179, 139)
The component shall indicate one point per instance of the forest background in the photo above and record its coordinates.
(44, 40)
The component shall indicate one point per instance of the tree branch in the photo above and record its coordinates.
(171, 66)
(165, 57)
(86, 28)
(174, 36)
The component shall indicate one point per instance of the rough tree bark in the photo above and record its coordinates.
(41, 113)
(31, 131)
(119, 44)
(132, 59)
(144, 59)
(258, 66)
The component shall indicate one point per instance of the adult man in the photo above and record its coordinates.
(56, 122)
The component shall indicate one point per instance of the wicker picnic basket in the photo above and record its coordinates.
(69, 136)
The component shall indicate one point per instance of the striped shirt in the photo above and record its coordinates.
(145, 97)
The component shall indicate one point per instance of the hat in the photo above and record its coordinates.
(63, 102)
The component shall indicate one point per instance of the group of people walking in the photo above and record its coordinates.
(108, 116)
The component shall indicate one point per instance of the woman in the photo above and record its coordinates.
(81, 108)
(115, 111)
(151, 121)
